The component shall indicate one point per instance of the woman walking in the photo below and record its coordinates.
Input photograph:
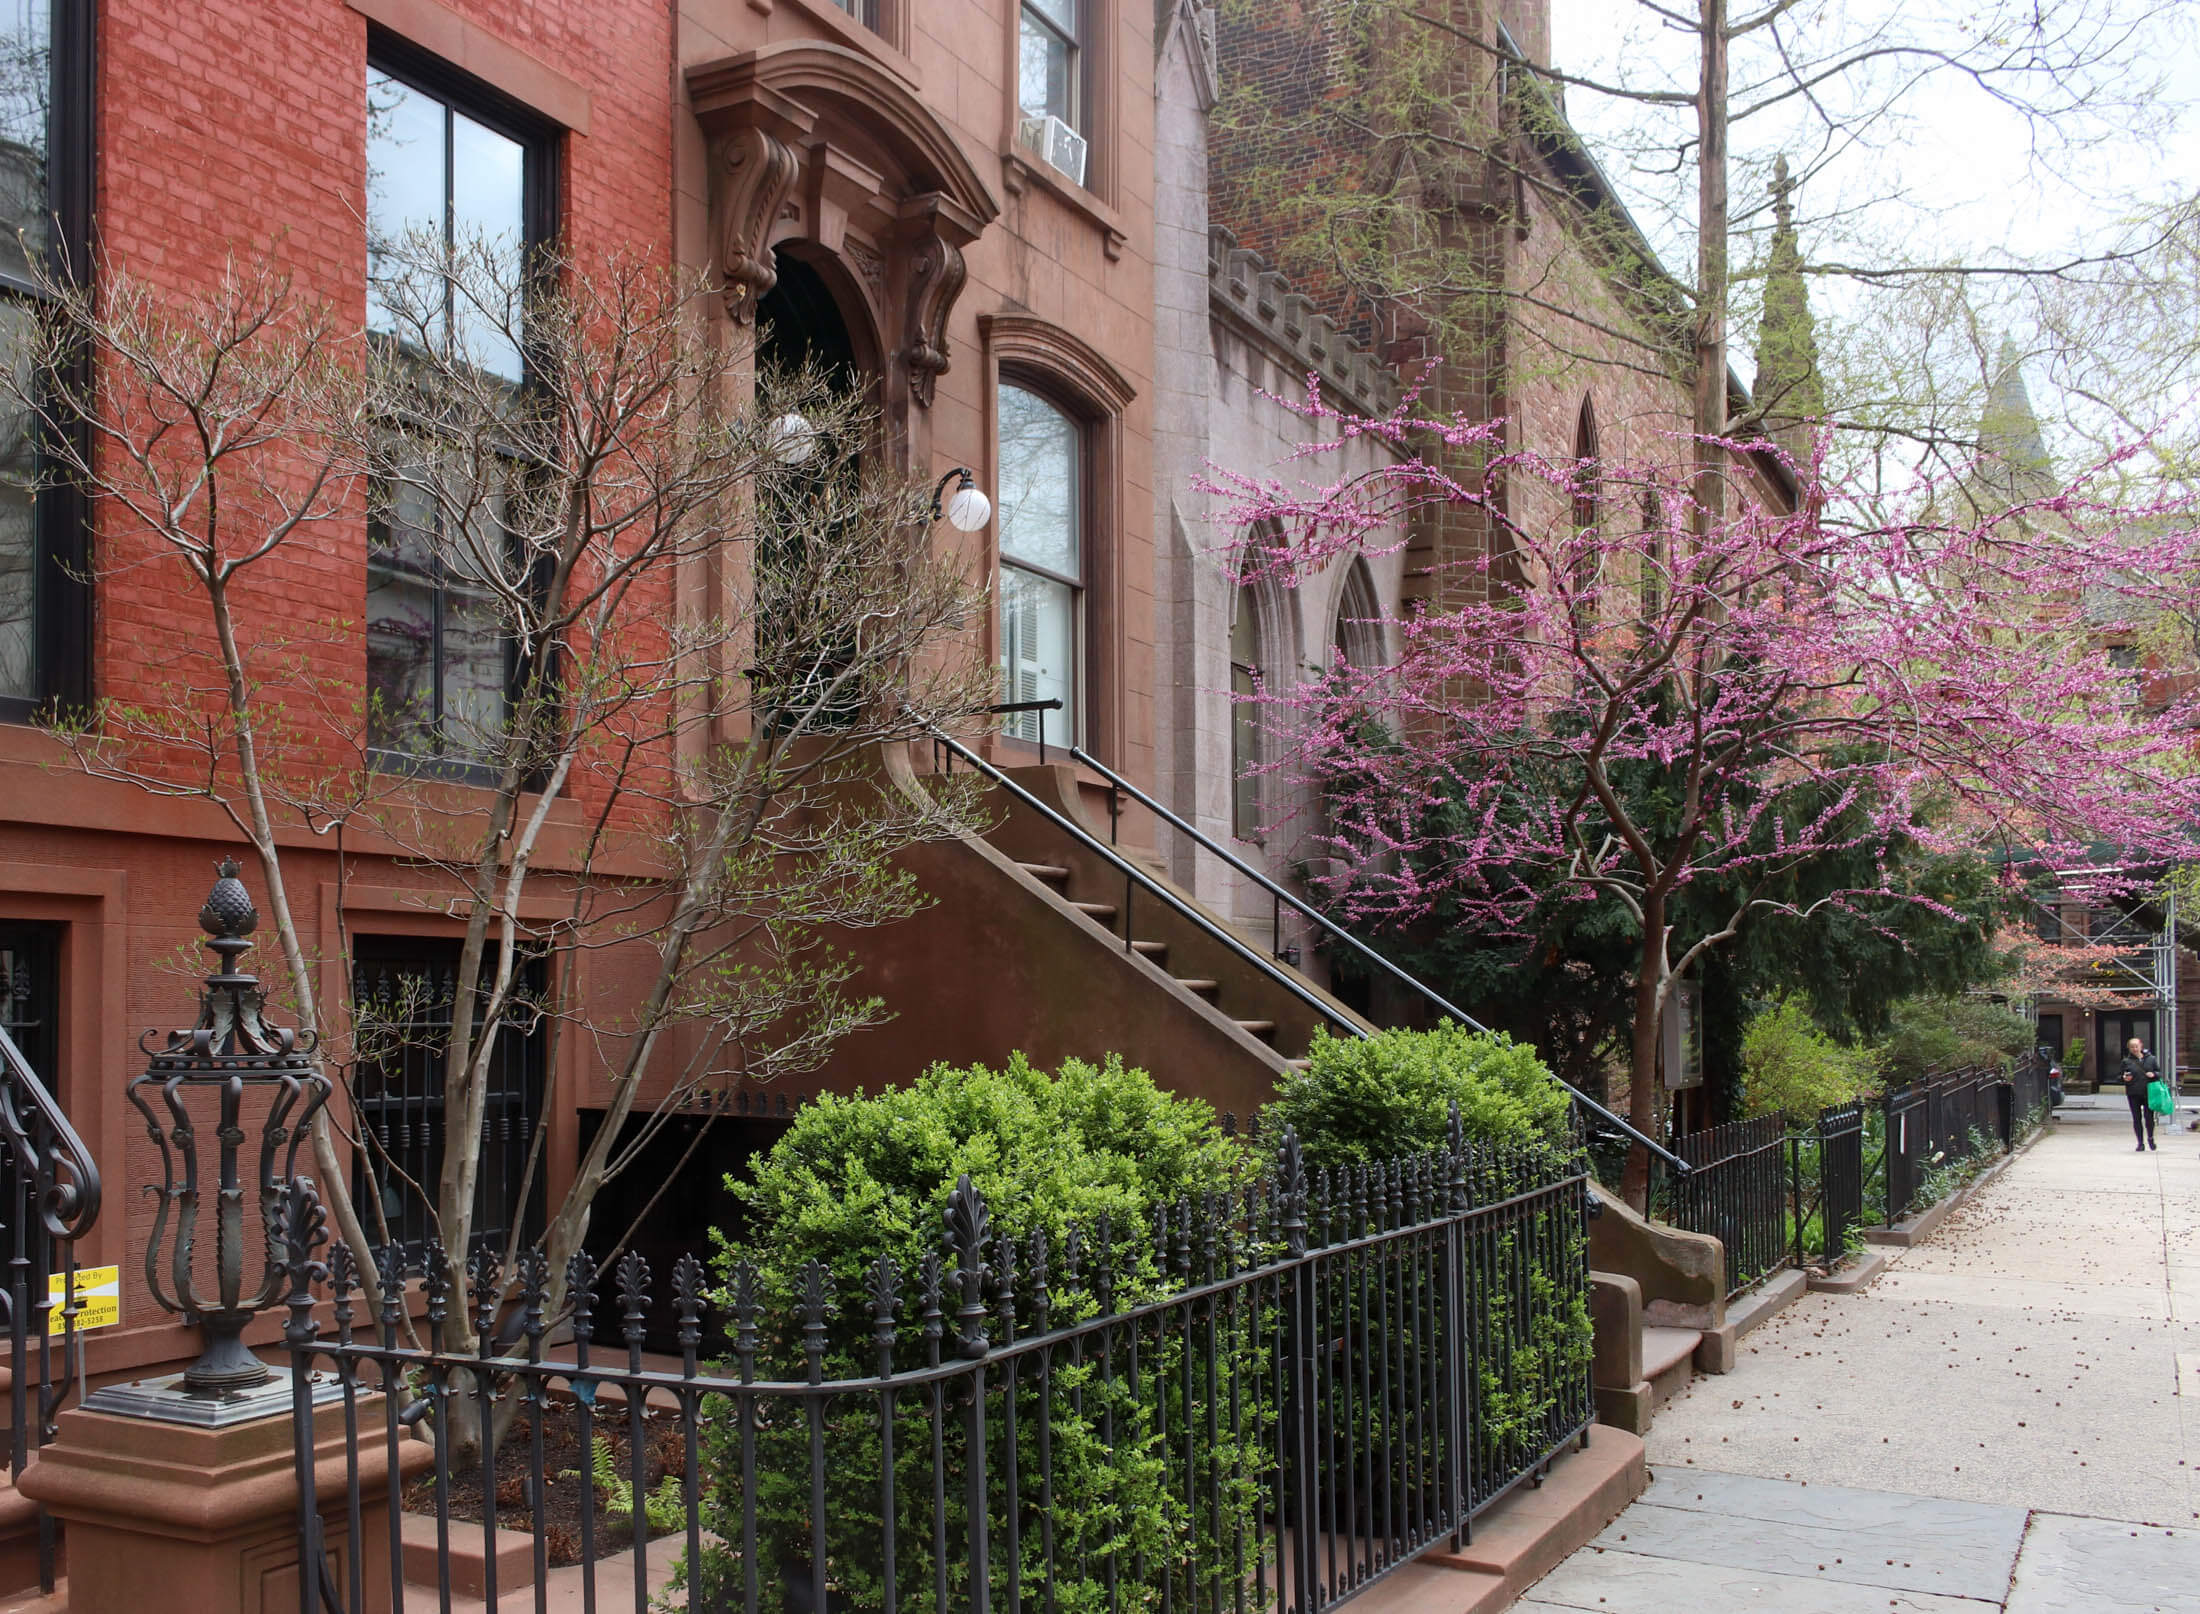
(2138, 1069)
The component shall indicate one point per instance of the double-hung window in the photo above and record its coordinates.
(1049, 84)
(458, 193)
(45, 207)
(1047, 65)
(1042, 559)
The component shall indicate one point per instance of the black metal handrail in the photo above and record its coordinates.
(51, 1200)
(1136, 878)
(1331, 928)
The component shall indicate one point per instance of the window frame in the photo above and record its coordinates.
(541, 142)
(61, 591)
(1083, 677)
(1025, 351)
(519, 1088)
(1074, 40)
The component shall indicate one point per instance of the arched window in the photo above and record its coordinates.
(1246, 683)
(1588, 475)
(1356, 631)
(1058, 448)
(1042, 480)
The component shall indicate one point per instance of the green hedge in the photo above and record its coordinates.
(1389, 1096)
(860, 1178)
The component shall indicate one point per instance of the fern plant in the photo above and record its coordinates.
(664, 1509)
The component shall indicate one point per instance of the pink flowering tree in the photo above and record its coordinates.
(1621, 695)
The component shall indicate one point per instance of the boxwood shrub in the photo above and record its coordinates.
(1368, 1100)
(855, 1179)
(1386, 1096)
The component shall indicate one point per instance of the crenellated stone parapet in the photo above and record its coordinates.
(1258, 298)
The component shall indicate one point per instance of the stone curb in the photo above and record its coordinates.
(1524, 1537)
(1854, 1277)
(1745, 1313)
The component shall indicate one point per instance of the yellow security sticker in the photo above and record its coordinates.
(98, 1299)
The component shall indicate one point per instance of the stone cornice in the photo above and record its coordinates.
(1260, 302)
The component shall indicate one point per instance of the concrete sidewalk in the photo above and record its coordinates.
(1996, 1424)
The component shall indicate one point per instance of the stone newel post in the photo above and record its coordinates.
(180, 1491)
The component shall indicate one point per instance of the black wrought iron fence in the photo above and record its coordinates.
(1936, 1124)
(1774, 1196)
(1737, 1189)
(2027, 1095)
(1263, 1402)
(1836, 1145)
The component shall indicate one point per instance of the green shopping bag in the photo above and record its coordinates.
(2158, 1099)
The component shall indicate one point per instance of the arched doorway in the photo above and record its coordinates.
(799, 326)
(807, 363)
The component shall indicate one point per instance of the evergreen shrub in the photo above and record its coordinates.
(1362, 1102)
(1791, 1067)
(1388, 1096)
(856, 1180)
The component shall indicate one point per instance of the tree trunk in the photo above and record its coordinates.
(1711, 268)
(1642, 1086)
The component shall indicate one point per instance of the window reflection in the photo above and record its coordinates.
(18, 522)
(447, 213)
(1042, 562)
(1046, 60)
(435, 174)
(438, 667)
(26, 98)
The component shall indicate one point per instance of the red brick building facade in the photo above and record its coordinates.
(879, 147)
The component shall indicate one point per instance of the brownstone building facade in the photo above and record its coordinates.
(958, 195)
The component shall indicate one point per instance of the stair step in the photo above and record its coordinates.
(1259, 1028)
(1151, 949)
(1200, 984)
(1667, 1348)
(1103, 911)
(1045, 871)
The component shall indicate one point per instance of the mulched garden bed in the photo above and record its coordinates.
(664, 1453)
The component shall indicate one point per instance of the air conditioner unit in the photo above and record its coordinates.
(1056, 144)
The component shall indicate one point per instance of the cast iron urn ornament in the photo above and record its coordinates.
(225, 1070)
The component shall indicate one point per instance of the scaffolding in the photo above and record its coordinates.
(2142, 968)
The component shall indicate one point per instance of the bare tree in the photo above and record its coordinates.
(708, 622)
(1433, 117)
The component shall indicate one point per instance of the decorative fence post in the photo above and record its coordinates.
(969, 1227)
(197, 1489)
(300, 1225)
(1300, 1460)
(1461, 1370)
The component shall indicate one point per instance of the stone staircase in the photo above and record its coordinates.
(1658, 1305)
(1267, 1002)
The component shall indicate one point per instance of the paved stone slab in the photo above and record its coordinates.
(1924, 1553)
(1835, 1507)
(1634, 1583)
(2027, 1356)
(2102, 1567)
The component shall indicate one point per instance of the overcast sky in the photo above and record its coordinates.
(1962, 170)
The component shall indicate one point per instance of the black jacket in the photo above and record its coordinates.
(2138, 1072)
